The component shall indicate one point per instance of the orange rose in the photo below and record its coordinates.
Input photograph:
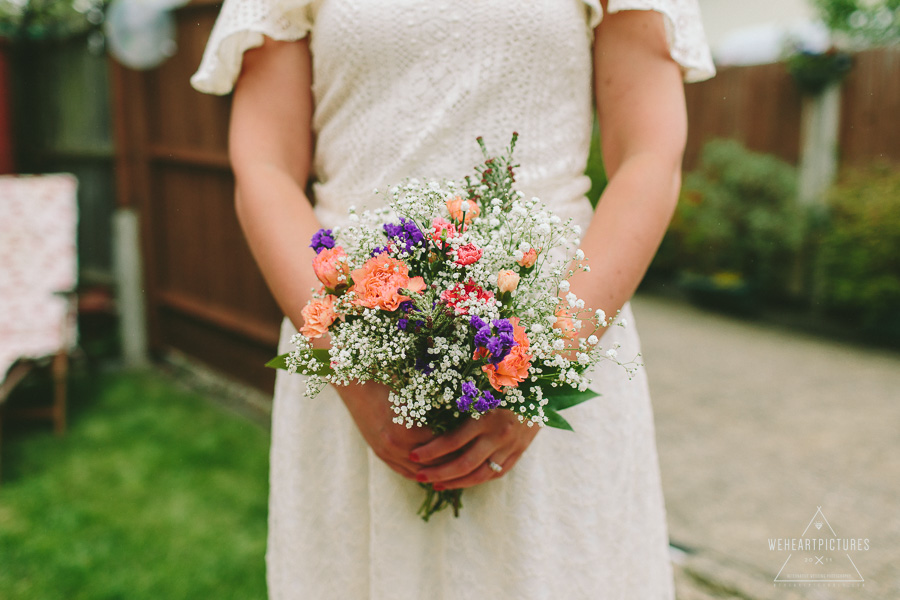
(460, 209)
(331, 267)
(513, 369)
(564, 322)
(529, 259)
(318, 316)
(378, 282)
(507, 281)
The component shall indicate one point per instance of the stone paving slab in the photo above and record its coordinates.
(757, 428)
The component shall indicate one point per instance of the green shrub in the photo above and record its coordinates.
(737, 214)
(859, 251)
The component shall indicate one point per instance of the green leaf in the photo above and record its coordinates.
(320, 355)
(555, 420)
(566, 396)
(279, 362)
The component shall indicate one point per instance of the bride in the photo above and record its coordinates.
(359, 94)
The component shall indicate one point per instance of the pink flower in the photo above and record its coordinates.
(331, 267)
(529, 259)
(468, 254)
(564, 323)
(460, 209)
(513, 369)
(442, 228)
(378, 282)
(507, 281)
(460, 293)
(318, 316)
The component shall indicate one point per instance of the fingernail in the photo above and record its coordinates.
(421, 477)
(413, 456)
(438, 488)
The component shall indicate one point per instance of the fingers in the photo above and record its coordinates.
(448, 443)
(466, 464)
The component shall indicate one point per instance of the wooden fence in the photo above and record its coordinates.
(205, 296)
(761, 107)
(758, 106)
(870, 113)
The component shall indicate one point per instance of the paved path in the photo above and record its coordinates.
(757, 427)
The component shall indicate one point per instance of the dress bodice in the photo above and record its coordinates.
(403, 88)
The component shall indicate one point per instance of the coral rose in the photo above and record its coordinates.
(318, 316)
(460, 209)
(378, 282)
(529, 259)
(468, 254)
(564, 323)
(507, 281)
(331, 267)
(442, 228)
(513, 369)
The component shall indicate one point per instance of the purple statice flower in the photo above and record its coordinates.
(486, 402)
(502, 326)
(380, 250)
(469, 393)
(402, 324)
(406, 306)
(476, 322)
(483, 336)
(322, 240)
(406, 234)
(495, 347)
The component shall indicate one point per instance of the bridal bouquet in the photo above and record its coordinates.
(456, 296)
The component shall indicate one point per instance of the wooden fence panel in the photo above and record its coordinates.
(870, 108)
(758, 106)
(205, 294)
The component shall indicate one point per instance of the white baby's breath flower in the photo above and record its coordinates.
(564, 286)
(579, 254)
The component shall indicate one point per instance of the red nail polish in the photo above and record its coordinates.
(413, 456)
(421, 477)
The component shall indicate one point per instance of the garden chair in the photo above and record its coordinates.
(38, 273)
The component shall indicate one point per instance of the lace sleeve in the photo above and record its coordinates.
(684, 31)
(240, 26)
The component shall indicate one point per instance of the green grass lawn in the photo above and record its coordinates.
(154, 492)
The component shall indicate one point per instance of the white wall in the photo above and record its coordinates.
(722, 17)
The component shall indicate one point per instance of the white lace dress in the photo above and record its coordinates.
(402, 88)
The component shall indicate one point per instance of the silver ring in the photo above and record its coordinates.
(494, 466)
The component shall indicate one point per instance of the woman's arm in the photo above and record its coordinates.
(643, 124)
(640, 104)
(270, 145)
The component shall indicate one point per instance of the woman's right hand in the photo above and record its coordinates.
(371, 410)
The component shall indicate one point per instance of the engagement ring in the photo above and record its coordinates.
(494, 466)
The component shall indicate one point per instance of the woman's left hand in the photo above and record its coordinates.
(496, 437)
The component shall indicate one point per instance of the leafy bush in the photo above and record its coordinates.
(737, 215)
(859, 251)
